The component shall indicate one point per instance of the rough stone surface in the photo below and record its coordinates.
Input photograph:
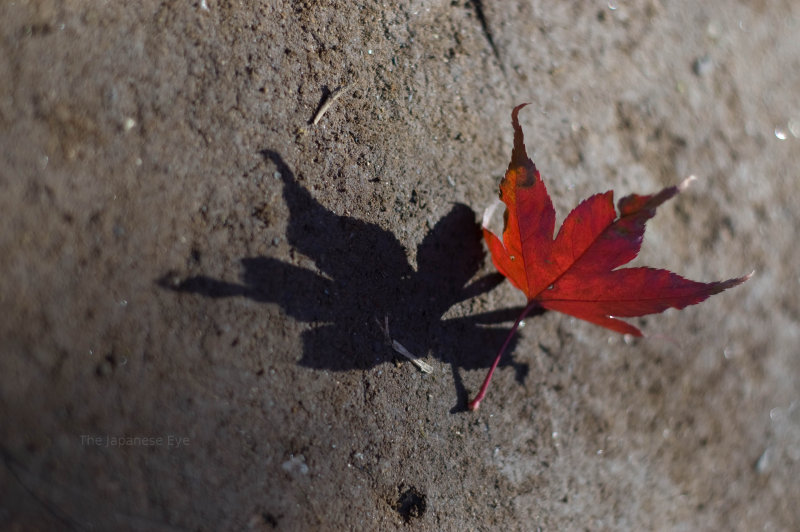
(185, 258)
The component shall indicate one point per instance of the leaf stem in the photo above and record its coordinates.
(475, 403)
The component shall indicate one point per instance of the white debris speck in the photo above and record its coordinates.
(296, 464)
(763, 463)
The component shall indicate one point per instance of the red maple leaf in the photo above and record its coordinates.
(575, 273)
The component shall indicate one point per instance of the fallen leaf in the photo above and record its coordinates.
(575, 273)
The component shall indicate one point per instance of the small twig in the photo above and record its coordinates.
(423, 366)
(332, 97)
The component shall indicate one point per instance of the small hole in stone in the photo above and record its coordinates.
(411, 503)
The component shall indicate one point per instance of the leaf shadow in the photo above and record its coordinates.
(364, 276)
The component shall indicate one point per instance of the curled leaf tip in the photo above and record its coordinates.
(520, 162)
(488, 213)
